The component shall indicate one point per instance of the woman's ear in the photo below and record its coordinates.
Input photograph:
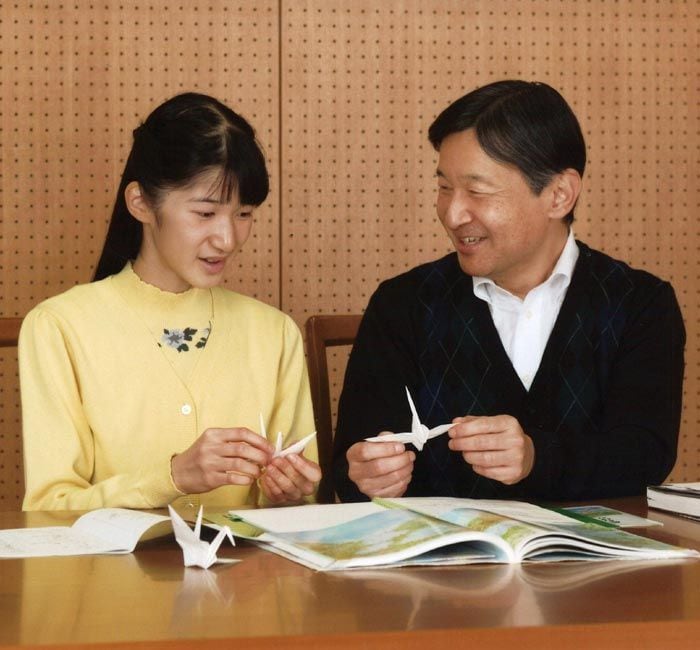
(137, 204)
(565, 187)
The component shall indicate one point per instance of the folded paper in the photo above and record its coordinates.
(296, 448)
(419, 434)
(196, 551)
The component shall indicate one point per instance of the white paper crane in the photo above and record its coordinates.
(295, 448)
(419, 434)
(196, 551)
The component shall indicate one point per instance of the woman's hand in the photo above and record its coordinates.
(288, 479)
(221, 457)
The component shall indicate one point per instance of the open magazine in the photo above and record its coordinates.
(435, 531)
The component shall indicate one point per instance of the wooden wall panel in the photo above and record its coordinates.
(341, 93)
(76, 79)
(361, 82)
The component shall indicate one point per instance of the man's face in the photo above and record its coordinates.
(498, 226)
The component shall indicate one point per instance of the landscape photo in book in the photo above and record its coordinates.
(434, 531)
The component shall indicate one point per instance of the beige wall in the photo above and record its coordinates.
(341, 93)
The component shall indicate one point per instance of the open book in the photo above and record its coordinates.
(108, 530)
(435, 531)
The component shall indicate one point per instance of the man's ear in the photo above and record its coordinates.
(565, 188)
(137, 204)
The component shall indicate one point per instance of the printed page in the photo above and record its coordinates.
(387, 537)
(605, 515)
(121, 527)
(49, 541)
(110, 530)
(593, 540)
(526, 512)
(308, 517)
(498, 521)
(555, 537)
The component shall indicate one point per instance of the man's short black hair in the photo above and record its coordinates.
(522, 123)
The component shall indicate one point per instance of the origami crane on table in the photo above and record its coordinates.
(196, 551)
(295, 448)
(419, 434)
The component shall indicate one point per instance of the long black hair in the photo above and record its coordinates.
(525, 124)
(182, 138)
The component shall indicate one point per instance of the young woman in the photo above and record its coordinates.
(146, 386)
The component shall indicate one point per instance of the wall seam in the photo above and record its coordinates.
(280, 239)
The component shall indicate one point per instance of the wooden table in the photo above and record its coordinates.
(149, 600)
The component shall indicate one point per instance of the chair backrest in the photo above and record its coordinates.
(11, 466)
(323, 332)
(9, 332)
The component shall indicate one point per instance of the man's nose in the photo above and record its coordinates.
(458, 211)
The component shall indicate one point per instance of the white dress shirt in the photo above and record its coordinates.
(525, 325)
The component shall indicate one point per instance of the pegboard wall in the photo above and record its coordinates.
(341, 93)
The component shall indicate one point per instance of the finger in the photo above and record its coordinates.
(507, 475)
(239, 465)
(482, 442)
(235, 478)
(284, 483)
(366, 451)
(464, 418)
(306, 468)
(244, 451)
(489, 458)
(285, 466)
(382, 481)
(271, 490)
(485, 424)
(241, 434)
(376, 469)
(300, 481)
(393, 490)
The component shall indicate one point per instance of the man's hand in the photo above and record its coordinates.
(288, 479)
(496, 447)
(220, 457)
(380, 469)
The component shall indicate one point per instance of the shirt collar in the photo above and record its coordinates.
(561, 274)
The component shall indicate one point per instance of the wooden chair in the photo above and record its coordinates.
(9, 332)
(11, 468)
(323, 332)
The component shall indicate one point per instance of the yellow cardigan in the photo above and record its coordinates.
(103, 410)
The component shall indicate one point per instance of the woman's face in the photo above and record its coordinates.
(190, 238)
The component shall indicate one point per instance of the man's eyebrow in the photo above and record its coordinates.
(467, 177)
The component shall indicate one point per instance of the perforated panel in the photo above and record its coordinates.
(342, 93)
(362, 81)
(76, 78)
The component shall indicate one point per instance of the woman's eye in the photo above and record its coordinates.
(206, 215)
(245, 215)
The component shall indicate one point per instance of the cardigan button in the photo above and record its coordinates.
(185, 409)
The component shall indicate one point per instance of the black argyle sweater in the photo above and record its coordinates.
(603, 410)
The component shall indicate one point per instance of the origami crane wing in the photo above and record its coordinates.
(295, 448)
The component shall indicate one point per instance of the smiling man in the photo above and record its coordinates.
(560, 367)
